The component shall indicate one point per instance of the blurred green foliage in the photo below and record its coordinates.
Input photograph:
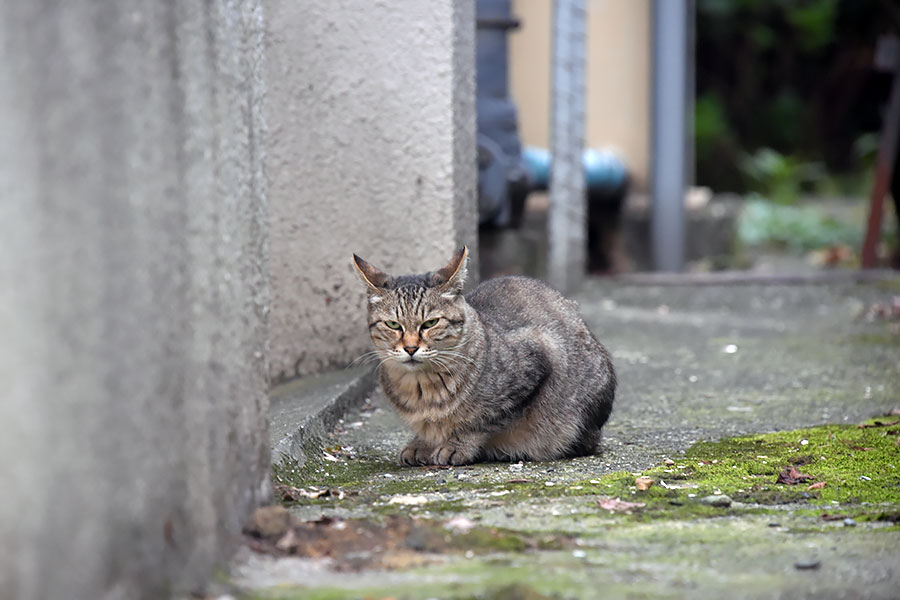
(797, 228)
(778, 177)
(786, 96)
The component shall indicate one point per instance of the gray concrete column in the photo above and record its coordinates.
(567, 218)
(371, 108)
(132, 293)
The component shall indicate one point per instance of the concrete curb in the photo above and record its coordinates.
(303, 411)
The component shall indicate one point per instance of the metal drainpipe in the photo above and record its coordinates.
(669, 114)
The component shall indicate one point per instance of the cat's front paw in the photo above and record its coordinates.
(416, 454)
(449, 454)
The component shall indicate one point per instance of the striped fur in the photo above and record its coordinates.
(509, 371)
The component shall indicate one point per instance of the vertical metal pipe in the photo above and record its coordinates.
(670, 77)
(567, 222)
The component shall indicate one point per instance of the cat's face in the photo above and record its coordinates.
(417, 321)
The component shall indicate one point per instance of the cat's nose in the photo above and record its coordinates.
(410, 349)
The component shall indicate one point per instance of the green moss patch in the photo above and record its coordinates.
(855, 464)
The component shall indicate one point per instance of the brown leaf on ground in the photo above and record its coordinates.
(287, 493)
(816, 486)
(833, 517)
(878, 424)
(643, 483)
(616, 505)
(269, 521)
(395, 543)
(517, 481)
(791, 476)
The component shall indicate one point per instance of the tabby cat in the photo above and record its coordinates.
(509, 371)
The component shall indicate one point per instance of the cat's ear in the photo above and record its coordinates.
(373, 278)
(452, 277)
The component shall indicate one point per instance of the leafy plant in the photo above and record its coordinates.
(778, 177)
(797, 228)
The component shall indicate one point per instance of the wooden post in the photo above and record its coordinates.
(887, 58)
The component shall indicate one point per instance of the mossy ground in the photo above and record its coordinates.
(659, 546)
(804, 357)
(859, 466)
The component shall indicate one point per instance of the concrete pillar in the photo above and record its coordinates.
(371, 107)
(132, 293)
(567, 217)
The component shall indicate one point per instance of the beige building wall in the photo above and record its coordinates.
(618, 77)
(372, 151)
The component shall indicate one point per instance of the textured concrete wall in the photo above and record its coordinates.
(372, 150)
(132, 293)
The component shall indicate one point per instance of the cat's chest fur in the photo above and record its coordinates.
(421, 396)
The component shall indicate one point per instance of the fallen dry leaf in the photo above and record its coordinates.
(791, 476)
(616, 505)
(816, 486)
(459, 524)
(517, 481)
(643, 483)
(269, 521)
(403, 559)
(289, 542)
(408, 500)
(833, 517)
(878, 424)
(287, 493)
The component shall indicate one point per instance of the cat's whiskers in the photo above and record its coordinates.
(365, 359)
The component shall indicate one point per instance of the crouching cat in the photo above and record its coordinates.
(507, 372)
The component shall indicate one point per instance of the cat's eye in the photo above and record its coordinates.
(429, 323)
(392, 324)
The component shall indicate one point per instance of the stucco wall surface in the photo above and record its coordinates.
(372, 150)
(132, 293)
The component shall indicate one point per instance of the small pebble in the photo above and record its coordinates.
(848, 522)
(807, 564)
(804, 442)
(669, 462)
(720, 500)
(579, 553)
(864, 478)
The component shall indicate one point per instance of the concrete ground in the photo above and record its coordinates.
(694, 363)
